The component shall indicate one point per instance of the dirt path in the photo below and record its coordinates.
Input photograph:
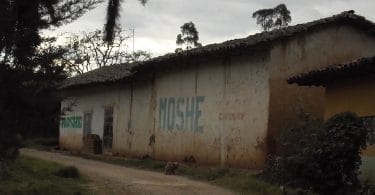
(123, 180)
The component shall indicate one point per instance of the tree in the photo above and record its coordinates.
(26, 70)
(42, 106)
(22, 20)
(113, 13)
(89, 51)
(28, 106)
(188, 37)
(274, 18)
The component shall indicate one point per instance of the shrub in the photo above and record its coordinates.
(68, 172)
(324, 157)
(9, 144)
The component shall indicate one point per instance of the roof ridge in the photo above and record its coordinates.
(274, 34)
(240, 43)
(310, 77)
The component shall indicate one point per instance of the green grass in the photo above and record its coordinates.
(68, 172)
(31, 176)
(240, 181)
(41, 143)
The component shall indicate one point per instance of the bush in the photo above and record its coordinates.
(324, 157)
(68, 172)
(9, 144)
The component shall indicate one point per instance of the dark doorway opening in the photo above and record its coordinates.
(108, 128)
(87, 118)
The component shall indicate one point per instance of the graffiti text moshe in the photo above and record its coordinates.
(180, 113)
(71, 122)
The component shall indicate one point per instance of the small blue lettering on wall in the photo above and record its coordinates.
(180, 113)
(71, 122)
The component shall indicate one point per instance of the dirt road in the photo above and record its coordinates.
(123, 180)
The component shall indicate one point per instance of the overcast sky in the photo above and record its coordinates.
(157, 24)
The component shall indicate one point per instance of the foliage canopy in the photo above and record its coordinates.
(30, 67)
(88, 51)
(324, 157)
(113, 13)
(188, 36)
(274, 18)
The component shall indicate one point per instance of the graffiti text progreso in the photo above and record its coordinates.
(180, 113)
(71, 122)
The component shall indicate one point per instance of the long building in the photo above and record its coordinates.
(221, 104)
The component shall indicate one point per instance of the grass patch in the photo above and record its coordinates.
(68, 172)
(240, 181)
(41, 143)
(31, 176)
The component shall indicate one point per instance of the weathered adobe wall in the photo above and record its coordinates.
(214, 110)
(355, 95)
(332, 45)
(93, 100)
(137, 124)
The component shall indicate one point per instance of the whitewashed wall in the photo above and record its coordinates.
(242, 101)
(227, 124)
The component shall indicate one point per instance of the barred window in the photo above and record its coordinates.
(108, 128)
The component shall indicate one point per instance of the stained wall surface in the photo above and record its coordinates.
(355, 95)
(299, 54)
(220, 110)
(94, 101)
(213, 110)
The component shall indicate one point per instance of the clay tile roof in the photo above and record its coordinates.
(115, 73)
(362, 67)
(105, 74)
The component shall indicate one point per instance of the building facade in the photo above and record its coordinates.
(222, 104)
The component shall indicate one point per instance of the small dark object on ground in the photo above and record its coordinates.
(190, 159)
(68, 172)
(144, 157)
(170, 168)
(92, 144)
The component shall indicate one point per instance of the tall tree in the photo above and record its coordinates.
(89, 51)
(188, 37)
(22, 20)
(274, 18)
(41, 106)
(113, 13)
(28, 107)
(25, 68)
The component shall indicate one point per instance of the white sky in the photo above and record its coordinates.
(158, 23)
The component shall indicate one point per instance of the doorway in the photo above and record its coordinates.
(108, 128)
(87, 118)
